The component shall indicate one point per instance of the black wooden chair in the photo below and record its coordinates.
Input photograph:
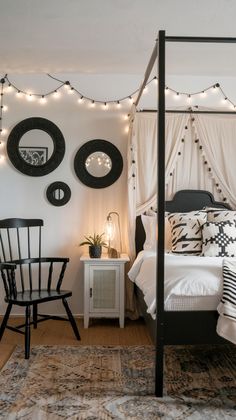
(32, 281)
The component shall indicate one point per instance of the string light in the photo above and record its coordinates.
(9, 88)
(43, 100)
(118, 102)
(19, 94)
(30, 97)
(1, 109)
(56, 94)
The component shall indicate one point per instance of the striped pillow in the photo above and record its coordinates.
(186, 232)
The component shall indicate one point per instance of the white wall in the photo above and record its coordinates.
(24, 196)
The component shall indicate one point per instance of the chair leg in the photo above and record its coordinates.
(27, 332)
(71, 319)
(5, 319)
(35, 314)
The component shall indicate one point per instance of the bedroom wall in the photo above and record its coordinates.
(24, 196)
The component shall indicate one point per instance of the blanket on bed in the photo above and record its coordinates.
(226, 325)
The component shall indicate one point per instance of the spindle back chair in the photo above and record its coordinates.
(36, 279)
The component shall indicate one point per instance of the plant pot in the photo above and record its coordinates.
(95, 251)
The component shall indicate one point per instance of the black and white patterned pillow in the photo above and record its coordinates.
(186, 232)
(219, 239)
(220, 214)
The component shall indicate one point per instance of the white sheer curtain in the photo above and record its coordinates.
(200, 154)
(217, 136)
(142, 161)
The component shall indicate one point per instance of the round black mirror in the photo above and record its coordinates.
(58, 193)
(36, 146)
(98, 163)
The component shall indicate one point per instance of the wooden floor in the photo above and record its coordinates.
(100, 332)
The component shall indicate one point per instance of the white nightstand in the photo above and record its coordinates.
(104, 288)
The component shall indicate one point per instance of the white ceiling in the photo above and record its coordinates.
(113, 36)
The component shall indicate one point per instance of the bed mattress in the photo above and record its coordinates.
(191, 282)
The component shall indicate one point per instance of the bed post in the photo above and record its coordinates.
(160, 216)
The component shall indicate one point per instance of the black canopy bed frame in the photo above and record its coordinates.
(178, 325)
(173, 327)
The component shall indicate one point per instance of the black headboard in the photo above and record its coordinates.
(183, 201)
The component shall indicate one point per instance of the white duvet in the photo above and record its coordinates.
(184, 276)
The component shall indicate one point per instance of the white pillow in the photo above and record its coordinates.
(150, 226)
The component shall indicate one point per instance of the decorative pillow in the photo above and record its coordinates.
(149, 237)
(150, 227)
(186, 232)
(220, 214)
(219, 239)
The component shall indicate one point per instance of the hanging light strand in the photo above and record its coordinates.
(1, 112)
(72, 89)
(216, 87)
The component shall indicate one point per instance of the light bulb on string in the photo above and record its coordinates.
(118, 104)
(9, 88)
(131, 99)
(19, 94)
(71, 91)
(67, 85)
(3, 131)
(177, 96)
(203, 94)
(30, 97)
(80, 100)
(167, 90)
(56, 94)
(5, 108)
(105, 106)
(215, 88)
(189, 98)
(92, 104)
(225, 101)
(155, 80)
(145, 90)
(43, 100)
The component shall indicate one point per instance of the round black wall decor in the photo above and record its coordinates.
(13, 148)
(58, 193)
(108, 159)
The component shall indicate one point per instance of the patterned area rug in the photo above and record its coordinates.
(96, 382)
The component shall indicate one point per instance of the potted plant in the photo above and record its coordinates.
(95, 243)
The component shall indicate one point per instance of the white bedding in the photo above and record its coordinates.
(194, 278)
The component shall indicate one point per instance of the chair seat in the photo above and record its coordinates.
(36, 296)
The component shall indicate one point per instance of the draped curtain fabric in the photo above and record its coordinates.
(217, 135)
(142, 162)
(200, 154)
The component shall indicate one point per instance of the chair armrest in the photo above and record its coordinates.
(7, 266)
(40, 260)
